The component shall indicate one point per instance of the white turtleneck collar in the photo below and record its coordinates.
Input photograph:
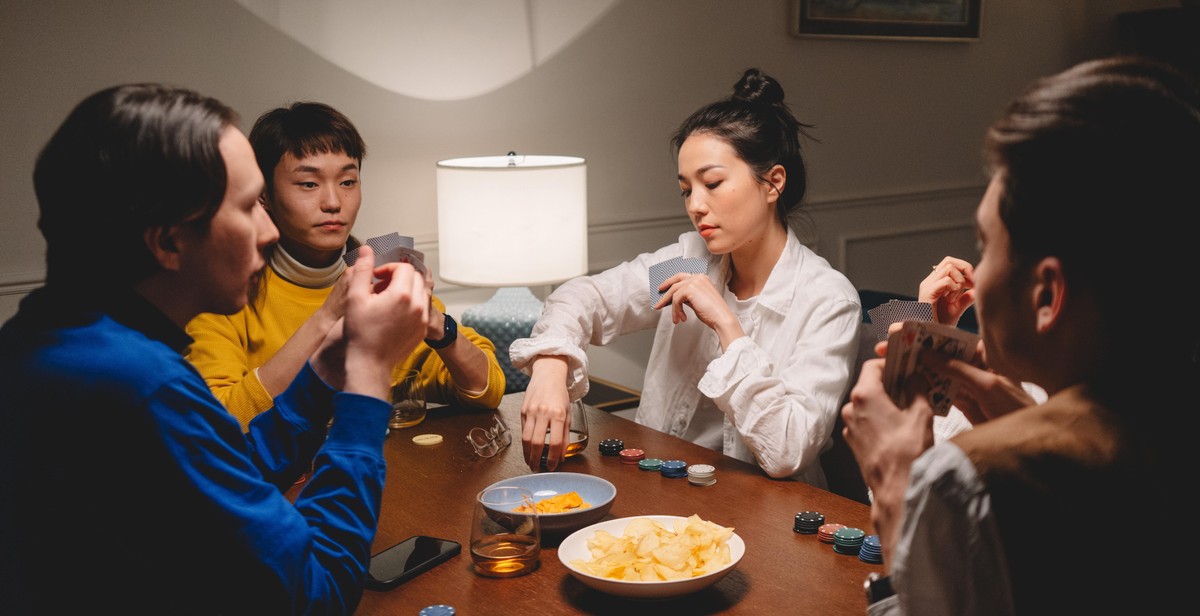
(288, 268)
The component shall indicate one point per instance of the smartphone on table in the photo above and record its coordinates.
(407, 559)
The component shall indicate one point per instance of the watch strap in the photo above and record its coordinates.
(449, 334)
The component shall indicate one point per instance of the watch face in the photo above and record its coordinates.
(878, 587)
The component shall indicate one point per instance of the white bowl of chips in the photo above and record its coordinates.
(651, 556)
(566, 501)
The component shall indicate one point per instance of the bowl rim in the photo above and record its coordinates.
(594, 506)
(733, 559)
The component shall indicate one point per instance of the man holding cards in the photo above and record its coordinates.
(1024, 513)
(126, 486)
(311, 156)
(756, 334)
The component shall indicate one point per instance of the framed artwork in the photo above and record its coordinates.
(927, 20)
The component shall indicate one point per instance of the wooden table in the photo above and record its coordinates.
(430, 491)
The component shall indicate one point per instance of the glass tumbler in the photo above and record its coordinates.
(408, 399)
(506, 538)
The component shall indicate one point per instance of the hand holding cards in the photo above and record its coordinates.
(392, 248)
(659, 272)
(904, 346)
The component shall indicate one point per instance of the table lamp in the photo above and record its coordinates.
(511, 222)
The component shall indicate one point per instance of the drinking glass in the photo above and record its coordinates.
(578, 433)
(506, 538)
(408, 399)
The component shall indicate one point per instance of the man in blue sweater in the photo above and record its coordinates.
(124, 484)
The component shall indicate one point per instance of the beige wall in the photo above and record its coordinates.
(894, 178)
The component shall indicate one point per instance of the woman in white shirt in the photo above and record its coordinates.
(757, 364)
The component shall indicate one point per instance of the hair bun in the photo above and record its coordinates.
(758, 88)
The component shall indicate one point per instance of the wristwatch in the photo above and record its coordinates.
(449, 334)
(878, 587)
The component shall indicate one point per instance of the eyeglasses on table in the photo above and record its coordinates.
(487, 442)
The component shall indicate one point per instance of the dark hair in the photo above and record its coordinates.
(127, 159)
(1079, 149)
(757, 124)
(302, 129)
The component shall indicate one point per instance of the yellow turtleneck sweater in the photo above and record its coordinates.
(228, 349)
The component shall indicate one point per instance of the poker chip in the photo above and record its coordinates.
(649, 464)
(808, 522)
(440, 609)
(631, 456)
(701, 474)
(673, 468)
(427, 439)
(871, 551)
(611, 446)
(825, 532)
(848, 540)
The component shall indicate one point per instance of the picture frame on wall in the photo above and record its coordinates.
(921, 20)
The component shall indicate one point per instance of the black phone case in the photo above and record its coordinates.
(392, 581)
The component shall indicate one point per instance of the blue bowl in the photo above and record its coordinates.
(597, 492)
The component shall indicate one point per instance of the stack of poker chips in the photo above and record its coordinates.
(673, 468)
(807, 522)
(871, 551)
(825, 533)
(701, 474)
(649, 464)
(848, 540)
(611, 446)
(631, 456)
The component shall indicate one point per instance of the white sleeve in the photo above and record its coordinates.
(948, 557)
(784, 408)
(592, 310)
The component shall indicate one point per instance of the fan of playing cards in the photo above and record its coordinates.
(906, 343)
(391, 248)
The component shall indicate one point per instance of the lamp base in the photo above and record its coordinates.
(509, 315)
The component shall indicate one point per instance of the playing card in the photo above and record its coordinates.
(893, 311)
(904, 347)
(416, 258)
(659, 272)
(389, 248)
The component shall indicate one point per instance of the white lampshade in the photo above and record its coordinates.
(515, 220)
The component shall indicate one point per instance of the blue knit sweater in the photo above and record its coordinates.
(124, 484)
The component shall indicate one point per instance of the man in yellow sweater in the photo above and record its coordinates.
(311, 156)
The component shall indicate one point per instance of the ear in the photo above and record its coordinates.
(776, 177)
(163, 243)
(1049, 293)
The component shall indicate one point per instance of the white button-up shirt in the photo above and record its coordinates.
(780, 386)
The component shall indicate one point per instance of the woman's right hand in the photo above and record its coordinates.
(546, 408)
(950, 287)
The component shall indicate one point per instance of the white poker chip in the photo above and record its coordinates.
(427, 439)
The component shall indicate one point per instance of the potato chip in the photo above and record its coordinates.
(647, 551)
(561, 503)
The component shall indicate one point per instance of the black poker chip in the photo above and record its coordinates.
(611, 446)
(808, 522)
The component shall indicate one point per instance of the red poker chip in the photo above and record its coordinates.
(632, 456)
